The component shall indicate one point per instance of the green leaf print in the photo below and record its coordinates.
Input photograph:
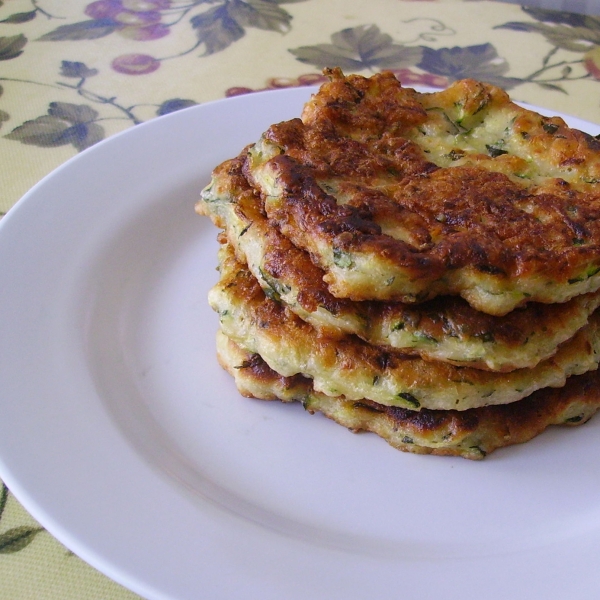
(84, 30)
(12, 46)
(22, 17)
(64, 124)
(260, 14)
(17, 538)
(358, 48)
(222, 25)
(477, 62)
(216, 29)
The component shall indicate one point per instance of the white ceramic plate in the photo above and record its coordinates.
(123, 437)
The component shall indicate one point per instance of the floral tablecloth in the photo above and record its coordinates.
(74, 72)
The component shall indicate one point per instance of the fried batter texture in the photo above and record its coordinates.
(471, 434)
(404, 196)
(424, 266)
(447, 328)
(350, 367)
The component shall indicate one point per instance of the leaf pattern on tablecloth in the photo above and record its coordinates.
(4, 116)
(221, 25)
(24, 16)
(67, 123)
(216, 27)
(366, 47)
(567, 33)
(476, 62)
(12, 46)
(359, 48)
(21, 17)
(84, 30)
(64, 123)
(16, 538)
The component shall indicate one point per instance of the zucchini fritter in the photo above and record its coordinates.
(446, 328)
(355, 369)
(471, 433)
(425, 266)
(399, 195)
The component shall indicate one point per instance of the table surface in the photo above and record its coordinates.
(76, 72)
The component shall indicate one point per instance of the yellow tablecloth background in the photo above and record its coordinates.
(556, 53)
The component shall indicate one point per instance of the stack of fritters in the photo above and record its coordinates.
(422, 265)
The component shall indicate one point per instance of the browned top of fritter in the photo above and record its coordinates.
(362, 136)
(285, 265)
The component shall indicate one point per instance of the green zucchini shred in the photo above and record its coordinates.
(409, 399)
(342, 259)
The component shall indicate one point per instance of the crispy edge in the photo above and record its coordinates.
(471, 434)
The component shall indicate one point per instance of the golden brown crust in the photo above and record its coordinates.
(350, 367)
(472, 433)
(355, 179)
(380, 195)
(446, 328)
